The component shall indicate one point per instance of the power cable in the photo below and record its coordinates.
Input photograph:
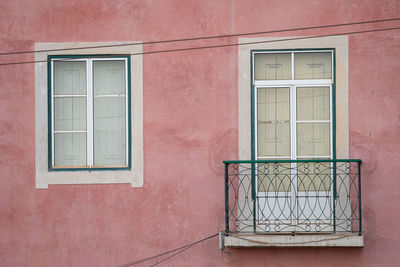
(188, 246)
(381, 237)
(203, 37)
(213, 46)
(180, 250)
(173, 255)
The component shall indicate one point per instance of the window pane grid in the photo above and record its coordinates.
(310, 83)
(273, 66)
(296, 66)
(273, 121)
(313, 65)
(313, 127)
(69, 113)
(83, 131)
(310, 112)
(75, 116)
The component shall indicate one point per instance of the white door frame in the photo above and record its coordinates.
(293, 194)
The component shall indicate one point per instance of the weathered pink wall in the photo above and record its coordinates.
(190, 126)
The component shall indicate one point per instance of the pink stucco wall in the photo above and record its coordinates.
(190, 126)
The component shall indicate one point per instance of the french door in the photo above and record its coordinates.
(293, 124)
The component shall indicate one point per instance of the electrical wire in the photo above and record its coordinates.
(173, 255)
(178, 250)
(203, 37)
(188, 246)
(212, 46)
(184, 248)
(381, 237)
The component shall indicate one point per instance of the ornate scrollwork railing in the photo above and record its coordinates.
(293, 196)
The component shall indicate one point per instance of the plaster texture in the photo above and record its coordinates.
(190, 124)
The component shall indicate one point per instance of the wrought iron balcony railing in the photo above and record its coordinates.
(293, 196)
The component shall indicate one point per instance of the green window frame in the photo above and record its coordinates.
(90, 147)
(286, 82)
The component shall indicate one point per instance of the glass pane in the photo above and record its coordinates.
(109, 77)
(273, 140)
(273, 177)
(273, 104)
(109, 131)
(70, 78)
(314, 176)
(313, 103)
(69, 113)
(273, 66)
(313, 139)
(69, 149)
(109, 113)
(313, 65)
(273, 122)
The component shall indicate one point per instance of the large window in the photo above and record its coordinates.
(292, 108)
(292, 116)
(89, 112)
(317, 62)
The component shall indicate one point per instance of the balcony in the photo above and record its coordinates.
(293, 203)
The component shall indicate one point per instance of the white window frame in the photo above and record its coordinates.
(293, 85)
(46, 177)
(89, 106)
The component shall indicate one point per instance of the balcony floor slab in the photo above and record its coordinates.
(299, 240)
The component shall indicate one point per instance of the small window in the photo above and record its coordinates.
(89, 112)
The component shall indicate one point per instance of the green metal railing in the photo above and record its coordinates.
(293, 196)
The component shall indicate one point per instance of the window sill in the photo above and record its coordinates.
(301, 240)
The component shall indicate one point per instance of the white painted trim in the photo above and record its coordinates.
(134, 176)
(292, 64)
(293, 82)
(61, 96)
(312, 50)
(271, 157)
(89, 112)
(313, 121)
(293, 86)
(52, 113)
(72, 131)
(312, 157)
(100, 96)
(108, 58)
(126, 114)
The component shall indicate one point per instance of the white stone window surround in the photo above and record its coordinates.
(134, 176)
(339, 43)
